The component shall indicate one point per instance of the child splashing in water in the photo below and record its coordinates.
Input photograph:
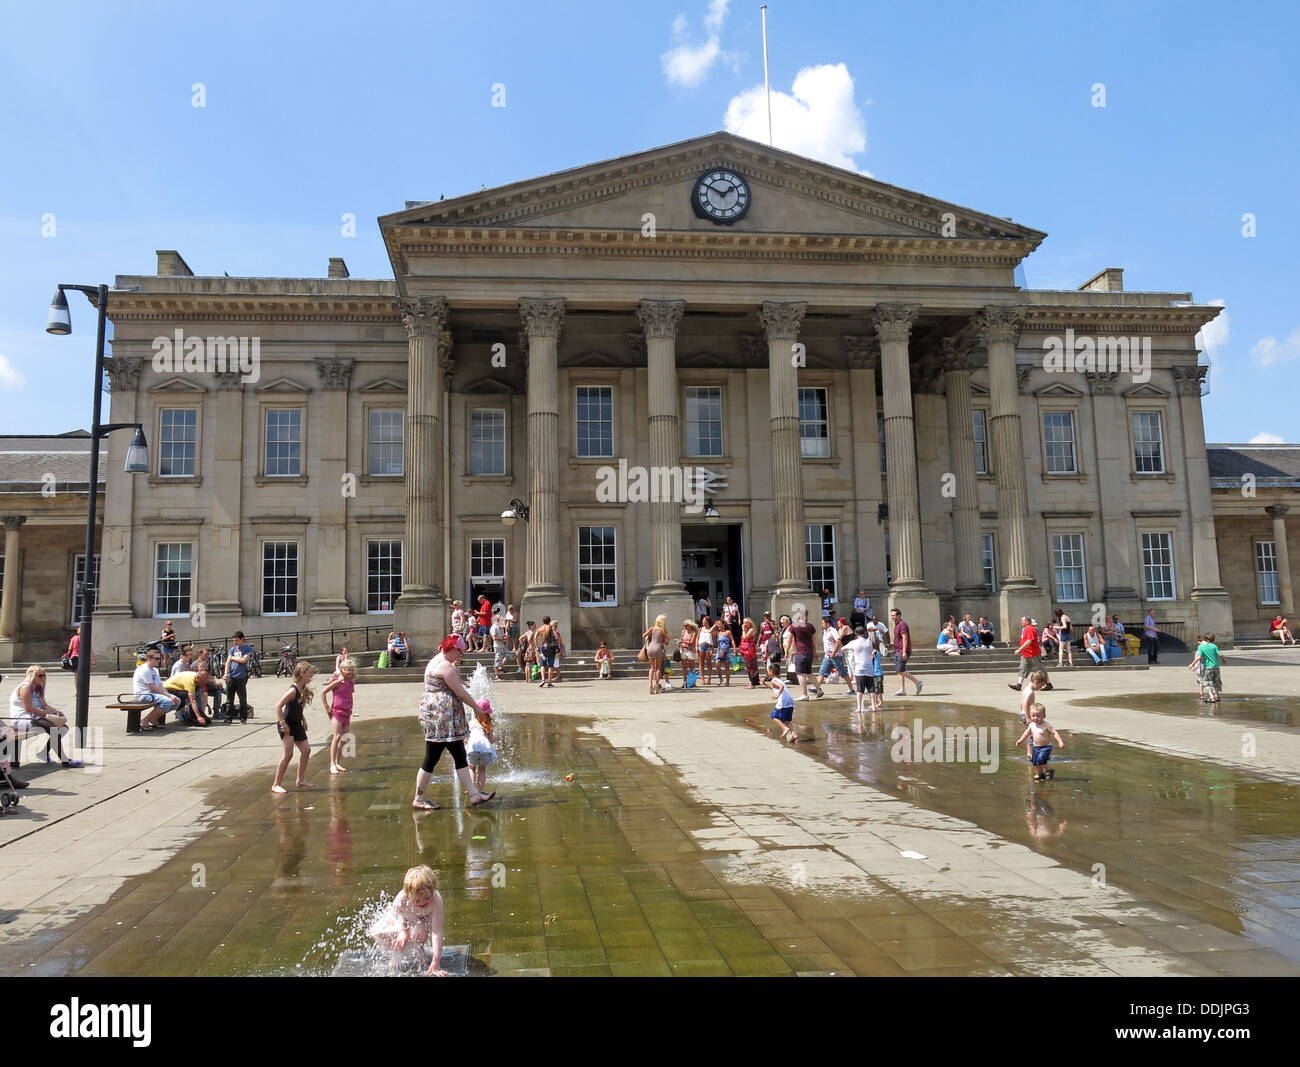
(478, 748)
(292, 726)
(1042, 733)
(339, 708)
(414, 916)
(783, 713)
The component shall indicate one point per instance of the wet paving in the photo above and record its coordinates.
(1219, 845)
(596, 861)
(1268, 710)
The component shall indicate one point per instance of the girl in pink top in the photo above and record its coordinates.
(338, 704)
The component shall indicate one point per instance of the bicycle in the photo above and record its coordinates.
(288, 660)
(255, 664)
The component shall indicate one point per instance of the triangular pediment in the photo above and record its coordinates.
(1057, 389)
(283, 385)
(177, 385)
(651, 190)
(384, 385)
(594, 358)
(487, 387)
(1139, 392)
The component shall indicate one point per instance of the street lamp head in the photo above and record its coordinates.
(137, 453)
(711, 515)
(58, 321)
(517, 510)
(508, 516)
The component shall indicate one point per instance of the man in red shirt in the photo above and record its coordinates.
(902, 650)
(1030, 651)
(802, 633)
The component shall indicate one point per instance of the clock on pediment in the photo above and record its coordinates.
(721, 195)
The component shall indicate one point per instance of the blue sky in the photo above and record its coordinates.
(317, 110)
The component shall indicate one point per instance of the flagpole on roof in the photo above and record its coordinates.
(767, 88)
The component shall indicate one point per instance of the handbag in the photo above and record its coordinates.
(66, 663)
(641, 656)
(677, 655)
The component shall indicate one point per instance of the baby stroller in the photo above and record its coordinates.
(8, 787)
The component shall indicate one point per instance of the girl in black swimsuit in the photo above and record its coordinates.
(292, 726)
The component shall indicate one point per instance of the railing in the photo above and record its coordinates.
(333, 637)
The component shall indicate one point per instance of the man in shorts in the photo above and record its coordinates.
(802, 635)
(1029, 651)
(1208, 654)
(832, 656)
(902, 652)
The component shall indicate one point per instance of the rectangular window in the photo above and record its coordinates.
(980, 424)
(1058, 437)
(383, 575)
(703, 420)
(1067, 565)
(487, 441)
(1158, 565)
(1266, 568)
(595, 412)
(280, 578)
(1148, 443)
(819, 552)
(889, 561)
(78, 563)
(880, 438)
(385, 441)
(814, 424)
(487, 561)
(989, 562)
(284, 442)
(177, 434)
(597, 566)
(172, 574)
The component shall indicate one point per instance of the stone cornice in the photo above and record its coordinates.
(1116, 320)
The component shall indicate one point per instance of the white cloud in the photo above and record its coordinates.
(818, 118)
(1214, 335)
(1266, 439)
(9, 376)
(685, 64)
(1268, 350)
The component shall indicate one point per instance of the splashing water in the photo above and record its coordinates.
(510, 767)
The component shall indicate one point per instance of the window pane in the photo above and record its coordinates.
(1067, 564)
(819, 553)
(487, 441)
(1058, 436)
(980, 424)
(1158, 565)
(986, 556)
(284, 442)
(280, 578)
(597, 566)
(880, 437)
(1266, 567)
(814, 424)
(595, 414)
(704, 420)
(176, 440)
(386, 427)
(78, 563)
(383, 575)
(171, 583)
(1148, 445)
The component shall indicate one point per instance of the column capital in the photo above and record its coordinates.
(12, 522)
(893, 322)
(1189, 378)
(861, 350)
(780, 321)
(958, 353)
(636, 347)
(542, 318)
(753, 349)
(659, 318)
(1023, 371)
(1102, 383)
(1277, 511)
(335, 374)
(999, 324)
(423, 316)
(124, 371)
(228, 380)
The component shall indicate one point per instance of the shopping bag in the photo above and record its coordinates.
(383, 660)
(535, 672)
(691, 679)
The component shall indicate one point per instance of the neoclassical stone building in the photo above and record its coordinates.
(846, 369)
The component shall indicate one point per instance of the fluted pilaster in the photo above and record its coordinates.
(10, 615)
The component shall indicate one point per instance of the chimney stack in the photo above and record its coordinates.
(170, 264)
(338, 269)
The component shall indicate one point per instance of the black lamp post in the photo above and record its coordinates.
(59, 322)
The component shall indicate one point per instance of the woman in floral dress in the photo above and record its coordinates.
(442, 717)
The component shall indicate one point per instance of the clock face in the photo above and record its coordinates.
(721, 195)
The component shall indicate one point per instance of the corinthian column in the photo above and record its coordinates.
(331, 507)
(1019, 594)
(543, 320)
(1285, 594)
(908, 592)
(11, 606)
(780, 323)
(667, 596)
(419, 610)
(961, 444)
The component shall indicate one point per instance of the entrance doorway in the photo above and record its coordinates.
(711, 564)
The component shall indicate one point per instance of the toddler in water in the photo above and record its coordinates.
(783, 713)
(339, 708)
(478, 748)
(412, 918)
(1042, 733)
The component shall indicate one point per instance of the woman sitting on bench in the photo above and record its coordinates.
(28, 704)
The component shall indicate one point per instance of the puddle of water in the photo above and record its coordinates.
(1272, 710)
(1216, 843)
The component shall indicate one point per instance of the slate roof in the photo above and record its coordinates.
(1272, 465)
(25, 460)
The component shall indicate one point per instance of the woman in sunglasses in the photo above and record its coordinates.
(28, 703)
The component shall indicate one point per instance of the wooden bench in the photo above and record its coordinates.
(132, 708)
